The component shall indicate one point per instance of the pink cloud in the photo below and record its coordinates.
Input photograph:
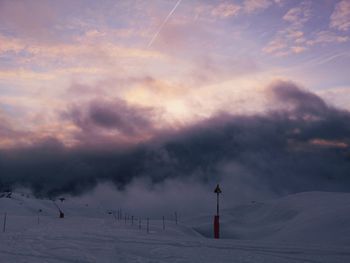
(298, 15)
(251, 6)
(225, 10)
(340, 18)
(327, 37)
(289, 40)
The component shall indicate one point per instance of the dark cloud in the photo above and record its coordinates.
(302, 146)
(302, 102)
(106, 120)
(121, 117)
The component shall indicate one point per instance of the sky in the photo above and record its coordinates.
(91, 83)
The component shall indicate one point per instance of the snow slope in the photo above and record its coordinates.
(310, 217)
(307, 227)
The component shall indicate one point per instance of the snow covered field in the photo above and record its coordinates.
(307, 227)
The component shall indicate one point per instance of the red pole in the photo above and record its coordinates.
(216, 217)
(216, 227)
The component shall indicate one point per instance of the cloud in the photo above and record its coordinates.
(327, 37)
(340, 18)
(301, 144)
(109, 121)
(291, 40)
(10, 136)
(276, 46)
(210, 69)
(298, 49)
(210, 12)
(111, 49)
(10, 44)
(78, 53)
(298, 15)
(251, 6)
(301, 101)
(6, 131)
(225, 10)
(285, 45)
(280, 2)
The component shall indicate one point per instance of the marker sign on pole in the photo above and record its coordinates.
(216, 217)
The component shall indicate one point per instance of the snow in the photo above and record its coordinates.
(305, 217)
(305, 227)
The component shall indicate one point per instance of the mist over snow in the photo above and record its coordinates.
(300, 143)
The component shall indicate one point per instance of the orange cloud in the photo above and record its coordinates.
(328, 143)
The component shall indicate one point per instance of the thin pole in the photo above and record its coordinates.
(163, 223)
(4, 227)
(147, 225)
(217, 204)
(139, 223)
(132, 220)
(175, 217)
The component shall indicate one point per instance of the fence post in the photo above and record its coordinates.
(147, 225)
(4, 227)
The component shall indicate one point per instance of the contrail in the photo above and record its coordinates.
(164, 22)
